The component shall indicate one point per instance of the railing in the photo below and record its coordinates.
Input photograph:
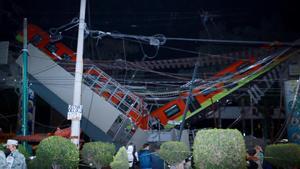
(132, 107)
(120, 97)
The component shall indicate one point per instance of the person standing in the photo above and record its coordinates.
(15, 159)
(3, 164)
(145, 157)
(156, 161)
(260, 156)
(132, 156)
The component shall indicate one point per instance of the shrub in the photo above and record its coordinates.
(33, 164)
(219, 149)
(23, 150)
(98, 154)
(283, 155)
(2, 147)
(57, 152)
(120, 160)
(174, 152)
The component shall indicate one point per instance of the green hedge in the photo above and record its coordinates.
(57, 152)
(283, 155)
(174, 152)
(98, 154)
(219, 149)
(120, 160)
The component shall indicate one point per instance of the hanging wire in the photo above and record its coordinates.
(191, 51)
(159, 39)
(144, 53)
(56, 33)
(49, 126)
(243, 42)
(125, 60)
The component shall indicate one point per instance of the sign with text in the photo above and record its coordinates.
(74, 112)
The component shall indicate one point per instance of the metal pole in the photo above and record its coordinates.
(219, 116)
(214, 112)
(75, 126)
(33, 120)
(251, 114)
(25, 80)
(158, 131)
(188, 101)
(243, 116)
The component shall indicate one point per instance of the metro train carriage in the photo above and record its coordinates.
(200, 101)
(57, 51)
(41, 39)
(174, 109)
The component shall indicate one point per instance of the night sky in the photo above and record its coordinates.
(170, 17)
(231, 19)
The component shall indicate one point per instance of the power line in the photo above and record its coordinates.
(161, 40)
(291, 44)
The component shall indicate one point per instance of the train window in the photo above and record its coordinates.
(36, 39)
(172, 111)
(129, 100)
(88, 81)
(123, 107)
(194, 104)
(51, 47)
(66, 57)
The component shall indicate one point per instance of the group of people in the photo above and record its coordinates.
(145, 158)
(11, 158)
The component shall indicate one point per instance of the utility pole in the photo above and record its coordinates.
(75, 110)
(25, 80)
